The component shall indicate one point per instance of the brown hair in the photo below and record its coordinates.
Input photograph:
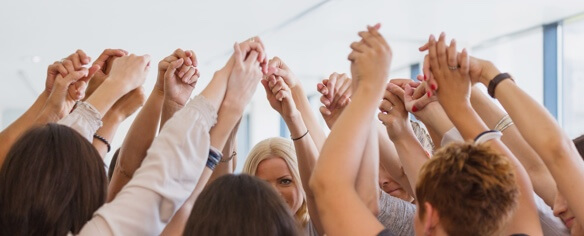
(579, 142)
(51, 183)
(462, 182)
(240, 205)
(112, 166)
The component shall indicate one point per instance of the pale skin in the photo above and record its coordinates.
(454, 95)
(145, 126)
(342, 211)
(333, 106)
(238, 81)
(279, 95)
(65, 84)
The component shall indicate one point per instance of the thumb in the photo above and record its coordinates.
(173, 66)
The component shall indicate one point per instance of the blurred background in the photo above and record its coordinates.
(539, 42)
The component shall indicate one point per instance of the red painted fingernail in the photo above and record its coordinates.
(414, 109)
(433, 86)
(429, 94)
(425, 78)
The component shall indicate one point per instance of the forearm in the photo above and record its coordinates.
(111, 122)
(303, 105)
(543, 182)
(168, 109)
(412, 156)
(135, 146)
(178, 222)
(9, 135)
(344, 146)
(532, 120)
(227, 163)
(106, 95)
(389, 159)
(227, 119)
(435, 119)
(368, 176)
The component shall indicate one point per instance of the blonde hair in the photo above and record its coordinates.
(284, 149)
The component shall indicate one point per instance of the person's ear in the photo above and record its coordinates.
(431, 219)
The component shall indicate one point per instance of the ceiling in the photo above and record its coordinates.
(312, 37)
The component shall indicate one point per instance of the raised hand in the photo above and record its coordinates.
(394, 114)
(412, 94)
(60, 101)
(370, 58)
(104, 63)
(334, 99)
(280, 96)
(179, 85)
(450, 72)
(278, 68)
(189, 60)
(129, 71)
(244, 78)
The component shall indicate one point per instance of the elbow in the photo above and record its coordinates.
(560, 149)
(316, 184)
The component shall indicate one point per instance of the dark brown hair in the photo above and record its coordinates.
(240, 205)
(579, 142)
(112, 166)
(462, 182)
(51, 183)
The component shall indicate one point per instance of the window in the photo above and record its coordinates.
(572, 108)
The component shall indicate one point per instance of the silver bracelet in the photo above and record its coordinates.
(504, 123)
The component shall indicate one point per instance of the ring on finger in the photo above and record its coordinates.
(452, 67)
(252, 39)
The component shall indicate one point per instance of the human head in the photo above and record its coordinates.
(561, 207)
(271, 152)
(392, 187)
(51, 183)
(563, 211)
(463, 176)
(240, 205)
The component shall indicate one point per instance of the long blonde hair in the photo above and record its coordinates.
(284, 149)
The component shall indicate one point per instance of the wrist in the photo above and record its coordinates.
(170, 104)
(488, 73)
(113, 116)
(292, 118)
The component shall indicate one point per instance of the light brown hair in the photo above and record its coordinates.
(472, 188)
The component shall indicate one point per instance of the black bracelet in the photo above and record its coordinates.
(296, 139)
(495, 81)
(109, 147)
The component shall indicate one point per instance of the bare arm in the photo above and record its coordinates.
(543, 182)
(342, 212)
(280, 98)
(278, 68)
(454, 96)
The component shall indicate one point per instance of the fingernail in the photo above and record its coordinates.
(414, 109)
(425, 78)
(429, 94)
(433, 86)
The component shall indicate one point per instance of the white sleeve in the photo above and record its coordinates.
(85, 119)
(166, 178)
(451, 136)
